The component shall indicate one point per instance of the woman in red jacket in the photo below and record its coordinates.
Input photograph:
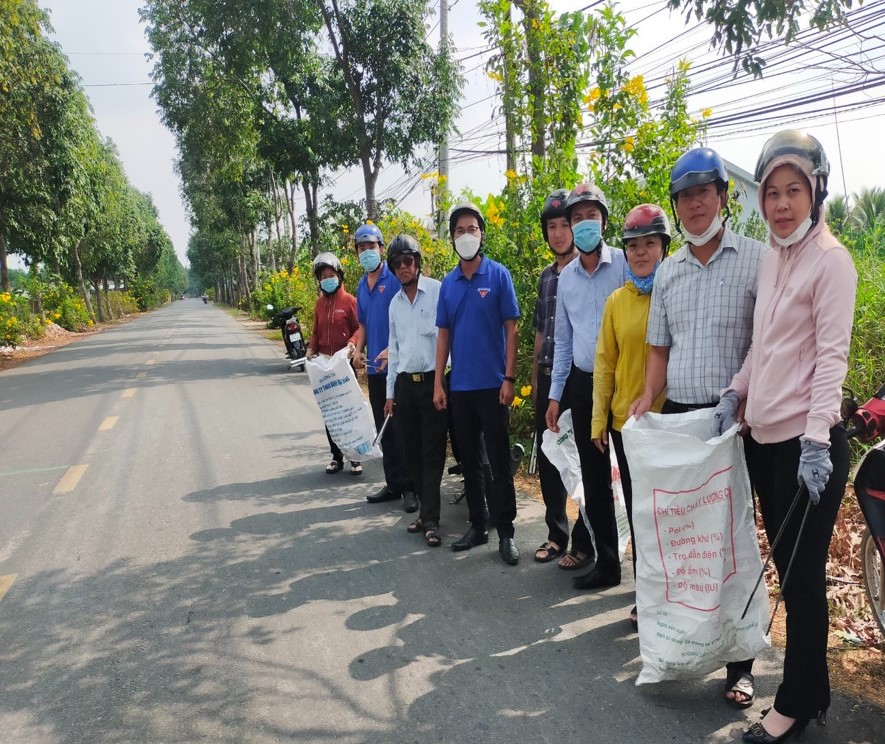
(334, 327)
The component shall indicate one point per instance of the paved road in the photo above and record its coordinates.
(176, 567)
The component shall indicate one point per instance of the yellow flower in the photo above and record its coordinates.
(496, 76)
(510, 174)
(517, 401)
(345, 229)
(629, 144)
(707, 113)
(493, 214)
(592, 97)
(525, 391)
(635, 87)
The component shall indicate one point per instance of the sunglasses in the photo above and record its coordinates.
(403, 261)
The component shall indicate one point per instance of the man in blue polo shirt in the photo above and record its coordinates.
(374, 294)
(476, 316)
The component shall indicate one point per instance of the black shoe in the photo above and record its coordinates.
(757, 734)
(508, 550)
(597, 579)
(385, 494)
(410, 502)
(471, 538)
(456, 469)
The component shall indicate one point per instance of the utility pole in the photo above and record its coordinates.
(443, 170)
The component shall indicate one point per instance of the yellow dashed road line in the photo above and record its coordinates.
(128, 392)
(70, 479)
(5, 584)
(108, 423)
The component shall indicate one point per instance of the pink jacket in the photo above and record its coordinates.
(793, 374)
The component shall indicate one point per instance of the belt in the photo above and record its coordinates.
(416, 376)
(576, 370)
(546, 371)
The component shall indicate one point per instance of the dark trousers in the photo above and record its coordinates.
(805, 689)
(337, 454)
(552, 490)
(617, 442)
(596, 475)
(475, 412)
(422, 431)
(734, 668)
(394, 470)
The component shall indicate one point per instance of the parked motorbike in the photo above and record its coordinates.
(296, 349)
(866, 423)
(205, 299)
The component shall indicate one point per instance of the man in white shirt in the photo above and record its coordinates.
(411, 359)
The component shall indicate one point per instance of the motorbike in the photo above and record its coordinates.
(296, 349)
(205, 299)
(866, 424)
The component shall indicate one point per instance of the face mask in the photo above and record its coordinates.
(587, 235)
(370, 260)
(643, 283)
(795, 236)
(706, 236)
(329, 284)
(467, 246)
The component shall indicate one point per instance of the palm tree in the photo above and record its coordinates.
(837, 214)
(869, 208)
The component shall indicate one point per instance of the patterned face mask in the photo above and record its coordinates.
(643, 283)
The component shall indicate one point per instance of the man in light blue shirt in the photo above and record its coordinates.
(411, 363)
(584, 286)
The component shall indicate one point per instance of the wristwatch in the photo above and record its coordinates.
(510, 379)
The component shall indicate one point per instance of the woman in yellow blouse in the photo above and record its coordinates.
(619, 368)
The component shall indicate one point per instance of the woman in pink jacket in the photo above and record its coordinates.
(792, 383)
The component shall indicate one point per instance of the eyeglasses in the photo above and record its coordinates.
(402, 261)
(473, 230)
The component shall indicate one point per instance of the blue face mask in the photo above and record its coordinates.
(370, 260)
(587, 235)
(644, 283)
(329, 284)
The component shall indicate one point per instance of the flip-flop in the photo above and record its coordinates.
(578, 560)
(334, 466)
(356, 468)
(547, 552)
(743, 683)
(431, 537)
(415, 527)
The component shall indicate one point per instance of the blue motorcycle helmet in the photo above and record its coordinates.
(368, 233)
(693, 168)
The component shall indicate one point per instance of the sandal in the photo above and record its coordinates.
(740, 683)
(415, 527)
(575, 560)
(431, 536)
(334, 466)
(356, 468)
(547, 552)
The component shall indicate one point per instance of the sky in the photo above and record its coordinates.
(106, 44)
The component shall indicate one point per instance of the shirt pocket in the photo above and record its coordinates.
(426, 322)
(732, 307)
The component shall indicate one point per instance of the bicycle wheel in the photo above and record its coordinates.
(873, 577)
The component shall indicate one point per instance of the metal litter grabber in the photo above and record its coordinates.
(774, 544)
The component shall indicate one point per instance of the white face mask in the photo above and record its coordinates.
(795, 236)
(467, 246)
(706, 236)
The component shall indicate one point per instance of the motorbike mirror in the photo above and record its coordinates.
(270, 307)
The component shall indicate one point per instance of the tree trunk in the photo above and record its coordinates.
(84, 290)
(97, 287)
(370, 176)
(537, 97)
(313, 218)
(4, 269)
(293, 225)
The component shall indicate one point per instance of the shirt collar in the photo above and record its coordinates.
(605, 257)
(481, 269)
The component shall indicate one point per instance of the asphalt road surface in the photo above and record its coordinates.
(175, 566)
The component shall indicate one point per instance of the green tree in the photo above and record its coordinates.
(869, 209)
(740, 25)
